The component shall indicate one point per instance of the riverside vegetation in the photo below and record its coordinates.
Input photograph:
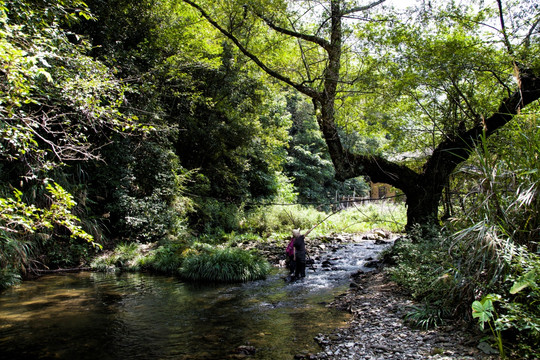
(163, 144)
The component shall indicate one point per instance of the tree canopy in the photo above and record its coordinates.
(455, 74)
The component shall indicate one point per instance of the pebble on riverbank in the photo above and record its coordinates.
(377, 330)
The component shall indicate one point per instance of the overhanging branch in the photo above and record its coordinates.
(362, 8)
(311, 38)
(454, 151)
(303, 89)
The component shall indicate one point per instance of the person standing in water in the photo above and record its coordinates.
(299, 255)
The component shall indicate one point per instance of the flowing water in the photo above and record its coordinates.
(140, 316)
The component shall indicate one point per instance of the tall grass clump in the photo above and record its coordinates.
(365, 217)
(421, 264)
(126, 256)
(224, 265)
(498, 236)
(160, 258)
(165, 259)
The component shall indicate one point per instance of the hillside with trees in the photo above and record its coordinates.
(192, 125)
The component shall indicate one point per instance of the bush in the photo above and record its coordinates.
(422, 266)
(8, 278)
(124, 257)
(224, 265)
(214, 217)
(520, 304)
(165, 258)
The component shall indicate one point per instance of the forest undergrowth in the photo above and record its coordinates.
(483, 265)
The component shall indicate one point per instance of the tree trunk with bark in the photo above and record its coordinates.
(422, 189)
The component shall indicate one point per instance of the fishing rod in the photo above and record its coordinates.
(311, 262)
(323, 220)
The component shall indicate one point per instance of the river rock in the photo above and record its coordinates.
(245, 350)
(326, 264)
(486, 348)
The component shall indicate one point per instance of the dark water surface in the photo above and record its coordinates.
(141, 316)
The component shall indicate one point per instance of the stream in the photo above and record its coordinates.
(141, 316)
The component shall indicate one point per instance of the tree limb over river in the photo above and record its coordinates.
(339, 52)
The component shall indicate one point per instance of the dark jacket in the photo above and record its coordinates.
(300, 245)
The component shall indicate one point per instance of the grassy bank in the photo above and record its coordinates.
(215, 257)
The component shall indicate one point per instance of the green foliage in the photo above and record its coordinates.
(165, 258)
(422, 266)
(215, 217)
(57, 106)
(426, 316)
(224, 265)
(279, 219)
(25, 227)
(124, 257)
(145, 182)
(520, 311)
(9, 277)
(234, 133)
(48, 76)
(308, 161)
(485, 312)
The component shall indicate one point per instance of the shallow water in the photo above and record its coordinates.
(141, 316)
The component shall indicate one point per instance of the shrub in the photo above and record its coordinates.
(165, 259)
(124, 257)
(422, 266)
(426, 316)
(8, 278)
(519, 313)
(214, 217)
(224, 265)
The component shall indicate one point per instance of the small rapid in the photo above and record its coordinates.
(141, 316)
(334, 267)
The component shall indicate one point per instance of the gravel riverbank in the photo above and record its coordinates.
(377, 330)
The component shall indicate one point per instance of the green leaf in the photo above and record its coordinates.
(483, 311)
(524, 281)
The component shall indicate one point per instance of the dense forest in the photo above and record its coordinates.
(192, 125)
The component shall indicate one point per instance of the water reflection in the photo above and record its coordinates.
(139, 316)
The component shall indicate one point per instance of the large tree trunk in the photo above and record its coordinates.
(424, 190)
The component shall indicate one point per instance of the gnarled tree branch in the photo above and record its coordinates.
(362, 8)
